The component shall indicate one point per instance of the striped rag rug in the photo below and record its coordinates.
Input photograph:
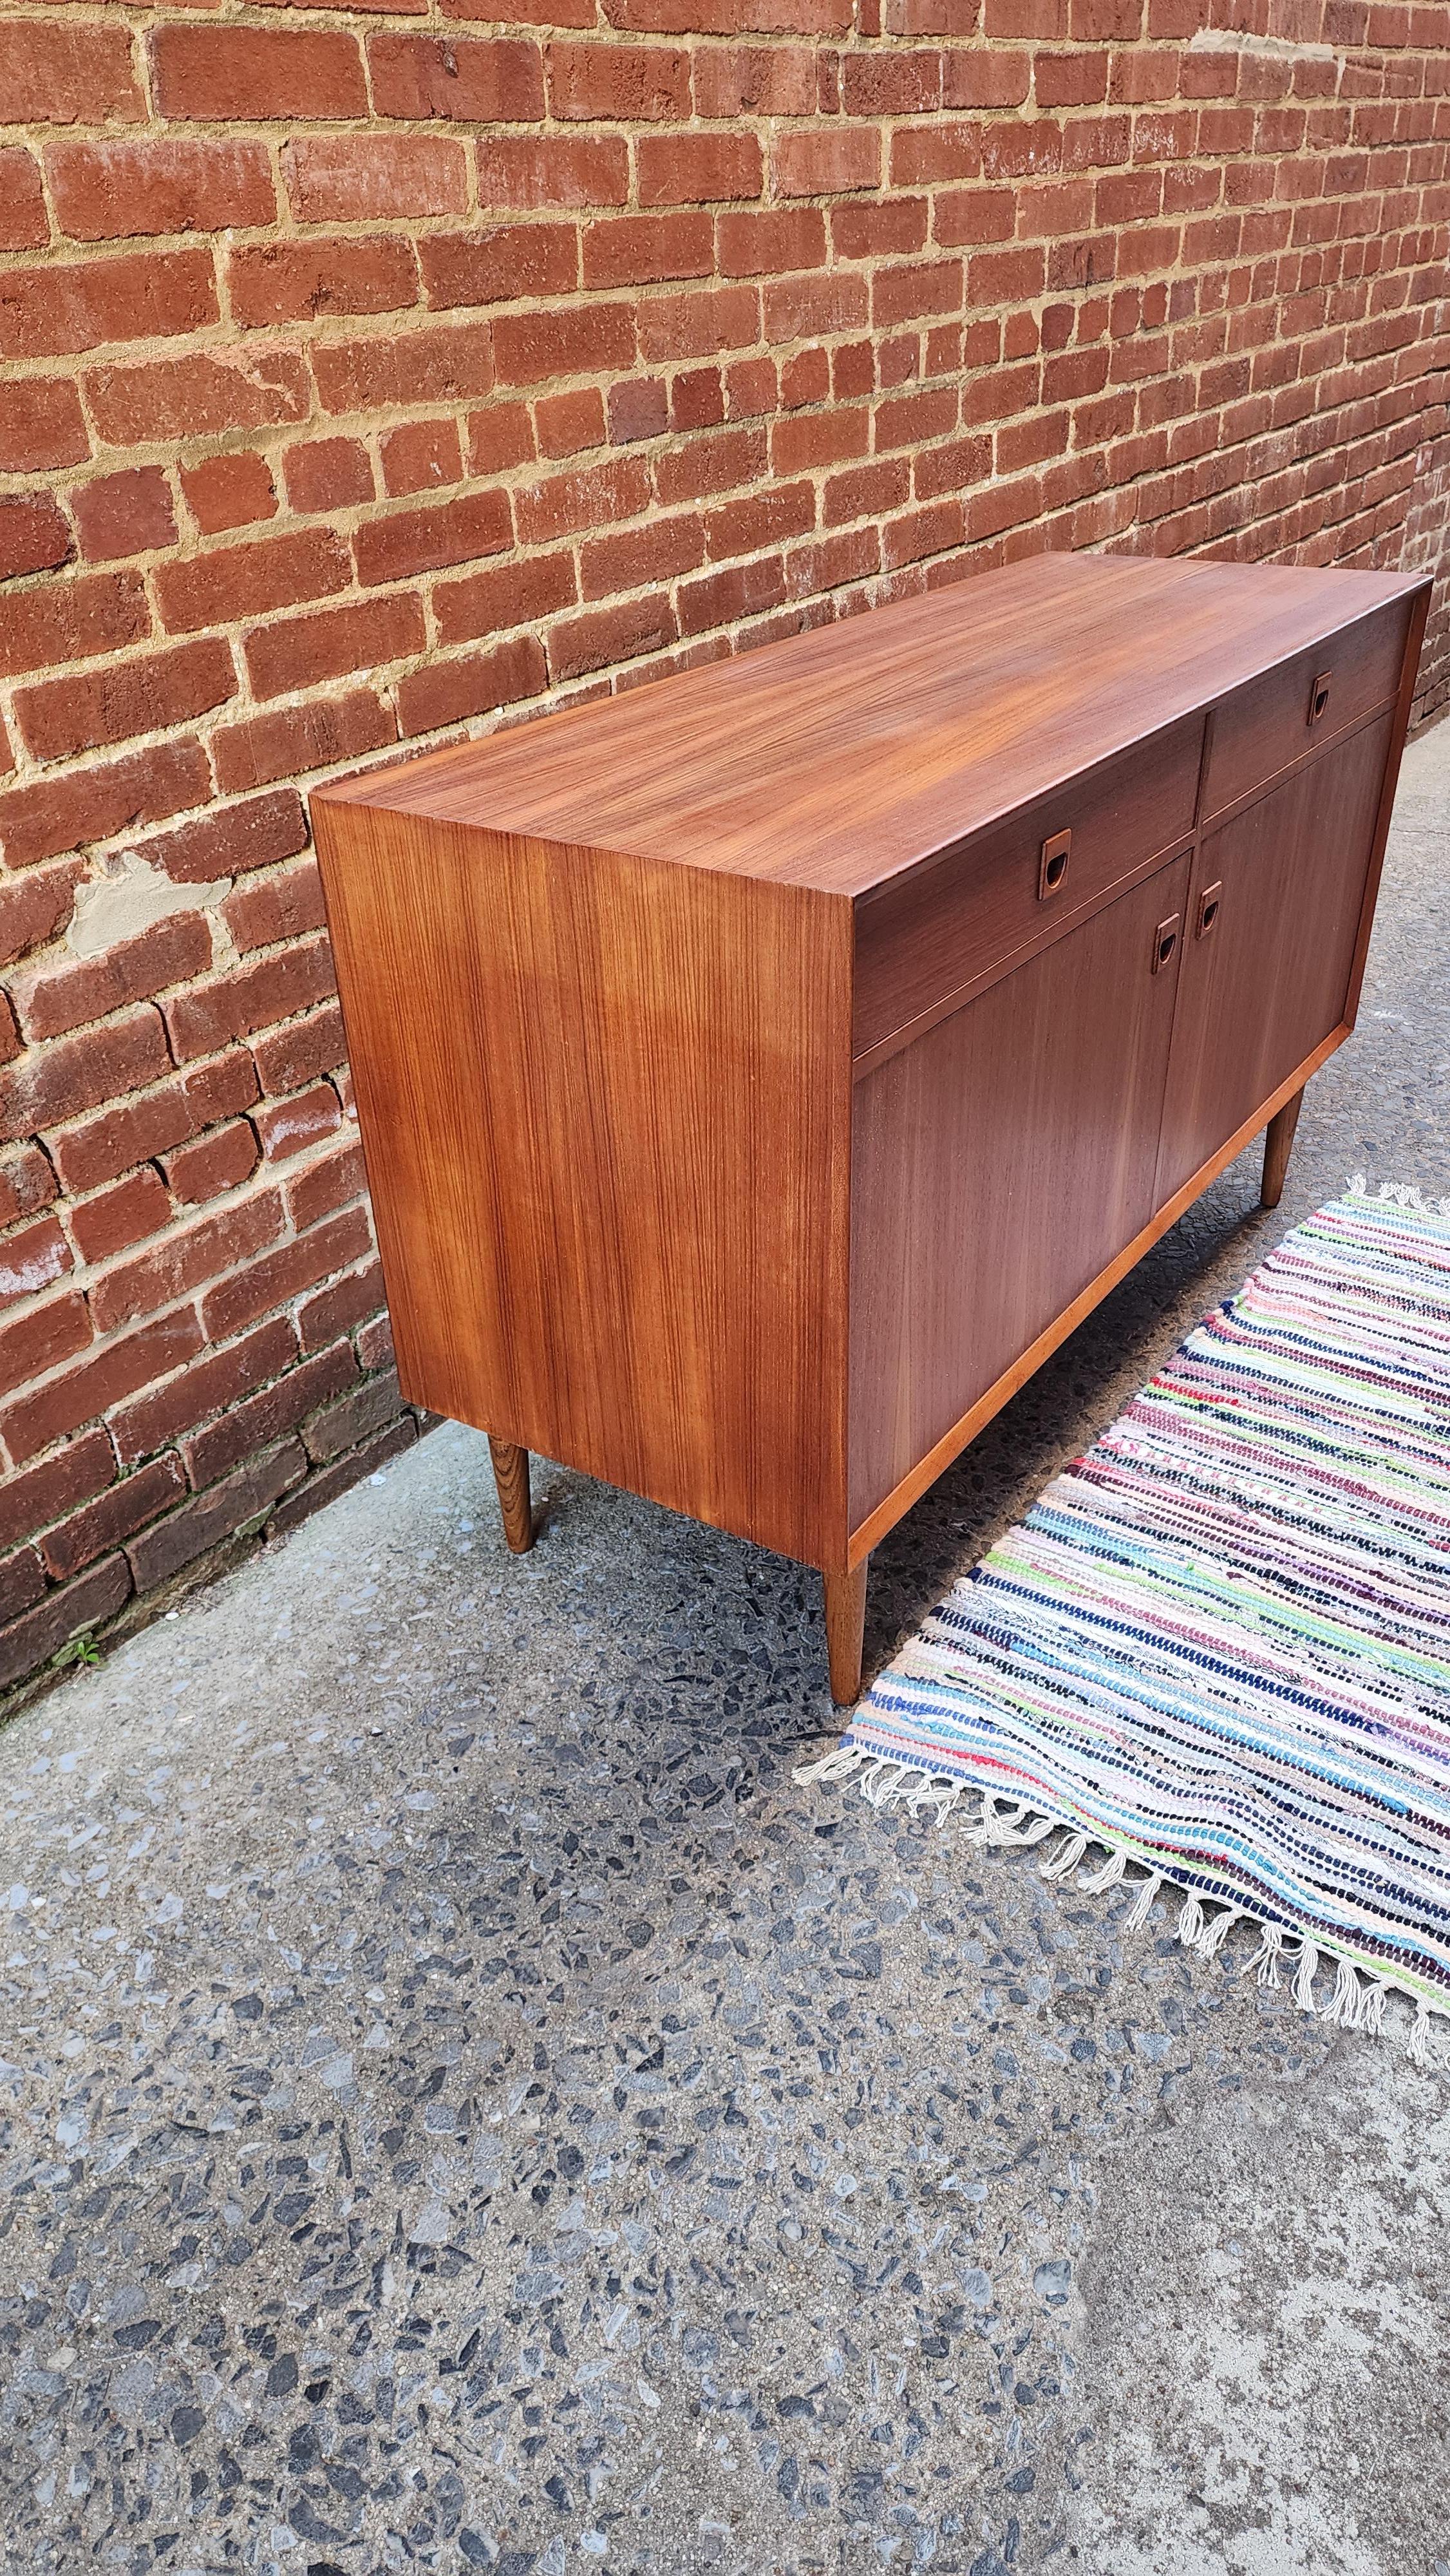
(1219, 1646)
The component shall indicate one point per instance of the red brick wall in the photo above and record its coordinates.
(371, 370)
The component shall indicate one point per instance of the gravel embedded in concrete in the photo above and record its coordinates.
(466, 2108)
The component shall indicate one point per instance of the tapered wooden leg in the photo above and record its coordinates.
(1278, 1145)
(511, 1475)
(845, 1632)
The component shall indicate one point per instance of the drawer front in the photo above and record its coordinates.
(929, 937)
(1272, 722)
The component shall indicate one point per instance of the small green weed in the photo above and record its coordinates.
(77, 1650)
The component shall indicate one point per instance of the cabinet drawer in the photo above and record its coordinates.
(933, 933)
(1261, 729)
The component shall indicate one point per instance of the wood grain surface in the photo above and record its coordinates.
(997, 1165)
(837, 758)
(605, 1114)
(1260, 989)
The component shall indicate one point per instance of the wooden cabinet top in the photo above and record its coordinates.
(839, 757)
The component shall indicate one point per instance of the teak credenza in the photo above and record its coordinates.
(761, 1072)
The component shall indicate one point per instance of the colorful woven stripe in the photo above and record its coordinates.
(1219, 1646)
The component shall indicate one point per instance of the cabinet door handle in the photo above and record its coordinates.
(1052, 870)
(1319, 696)
(1208, 906)
(1165, 940)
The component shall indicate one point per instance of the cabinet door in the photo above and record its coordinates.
(998, 1165)
(1273, 920)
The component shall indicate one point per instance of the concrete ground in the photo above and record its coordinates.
(468, 2109)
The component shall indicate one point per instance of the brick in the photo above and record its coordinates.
(22, 1581)
(356, 178)
(108, 190)
(43, 1415)
(34, 535)
(759, 519)
(55, 73)
(600, 636)
(638, 408)
(655, 552)
(198, 396)
(427, 540)
(500, 436)
(215, 74)
(367, 1409)
(31, 1258)
(41, 1340)
(375, 1343)
(758, 245)
(72, 621)
(41, 425)
(756, 81)
(222, 1377)
(229, 582)
(30, 1642)
(185, 1259)
(77, 1073)
(342, 1307)
(516, 594)
(100, 1149)
(299, 281)
(232, 839)
(568, 422)
(442, 364)
(445, 693)
(719, 598)
(560, 170)
(332, 1181)
(70, 1476)
(26, 1183)
(55, 814)
(328, 474)
(267, 1416)
(620, 83)
(210, 1519)
(124, 514)
(494, 82)
(297, 652)
(24, 223)
(288, 1127)
(497, 263)
(326, 1483)
(698, 169)
(641, 249)
(583, 340)
(220, 1161)
(285, 1275)
(290, 741)
(118, 1217)
(699, 324)
(117, 1515)
(53, 312)
(205, 1018)
(229, 491)
(585, 497)
(35, 908)
(824, 164)
(51, 999)
(287, 1057)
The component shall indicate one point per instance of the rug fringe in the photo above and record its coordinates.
(1402, 1194)
(1007, 1825)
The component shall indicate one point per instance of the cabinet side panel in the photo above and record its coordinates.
(999, 1163)
(605, 1107)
